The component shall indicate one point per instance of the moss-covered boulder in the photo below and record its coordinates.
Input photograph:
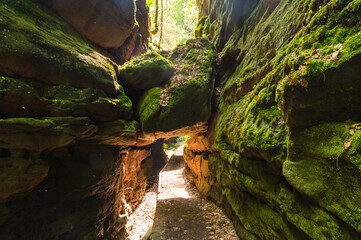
(147, 71)
(186, 99)
(39, 45)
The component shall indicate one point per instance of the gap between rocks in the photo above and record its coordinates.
(173, 209)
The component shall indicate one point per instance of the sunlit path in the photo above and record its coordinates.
(181, 213)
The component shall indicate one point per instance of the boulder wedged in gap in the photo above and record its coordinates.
(145, 72)
(183, 103)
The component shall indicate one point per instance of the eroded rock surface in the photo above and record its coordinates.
(121, 27)
(69, 165)
(106, 23)
(284, 155)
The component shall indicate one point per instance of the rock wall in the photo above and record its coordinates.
(76, 148)
(284, 152)
(120, 27)
(71, 165)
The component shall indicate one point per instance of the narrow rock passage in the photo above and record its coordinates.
(181, 213)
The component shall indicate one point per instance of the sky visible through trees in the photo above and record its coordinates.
(179, 21)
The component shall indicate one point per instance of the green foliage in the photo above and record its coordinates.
(174, 145)
(180, 20)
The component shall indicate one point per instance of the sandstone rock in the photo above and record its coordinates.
(327, 173)
(60, 102)
(186, 101)
(198, 143)
(45, 48)
(38, 135)
(118, 133)
(30, 98)
(137, 43)
(125, 52)
(273, 161)
(18, 175)
(195, 129)
(143, 18)
(197, 171)
(147, 71)
(326, 100)
(106, 23)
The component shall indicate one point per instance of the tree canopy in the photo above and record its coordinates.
(177, 23)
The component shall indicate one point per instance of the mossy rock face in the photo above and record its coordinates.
(279, 78)
(326, 99)
(147, 71)
(30, 98)
(325, 166)
(37, 135)
(186, 99)
(37, 44)
(149, 109)
(249, 179)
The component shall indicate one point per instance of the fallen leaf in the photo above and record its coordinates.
(304, 83)
(352, 132)
(293, 80)
(347, 144)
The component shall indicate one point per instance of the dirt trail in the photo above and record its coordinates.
(181, 213)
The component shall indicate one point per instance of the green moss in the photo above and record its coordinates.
(149, 109)
(354, 218)
(147, 71)
(26, 123)
(12, 84)
(189, 104)
(268, 64)
(323, 166)
(326, 141)
(30, 32)
(186, 98)
(254, 124)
